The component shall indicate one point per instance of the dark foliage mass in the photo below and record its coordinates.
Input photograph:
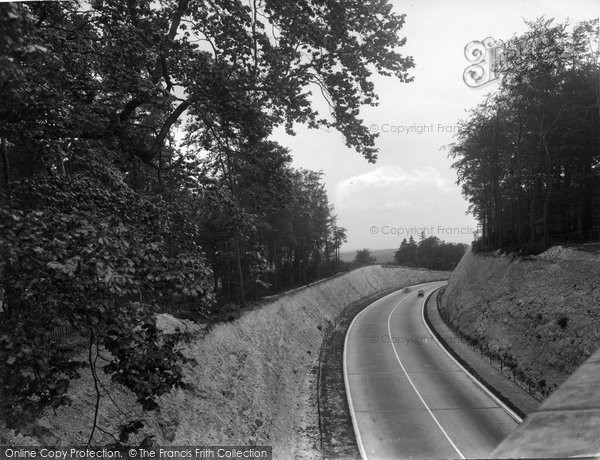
(528, 158)
(364, 257)
(137, 175)
(431, 253)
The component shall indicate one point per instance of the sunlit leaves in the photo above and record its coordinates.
(121, 72)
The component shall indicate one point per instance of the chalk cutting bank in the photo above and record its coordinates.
(538, 318)
(251, 382)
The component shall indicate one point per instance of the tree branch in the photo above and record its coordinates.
(160, 68)
(130, 107)
(92, 363)
(147, 155)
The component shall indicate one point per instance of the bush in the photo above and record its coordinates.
(78, 256)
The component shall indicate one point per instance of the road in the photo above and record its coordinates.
(408, 398)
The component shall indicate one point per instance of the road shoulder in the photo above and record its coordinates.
(517, 399)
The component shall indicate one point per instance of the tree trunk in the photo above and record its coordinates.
(276, 266)
(580, 208)
(60, 162)
(496, 185)
(545, 214)
(532, 214)
(518, 185)
(238, 263)
(5, 171)
(546, 209)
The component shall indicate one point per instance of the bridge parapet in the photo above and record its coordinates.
(566, 424)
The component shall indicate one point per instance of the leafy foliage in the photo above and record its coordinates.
(106, 217)
(266, 225)
(242, 69)
(528, 158)
(429, 253)
(81, 258)
(364, 257)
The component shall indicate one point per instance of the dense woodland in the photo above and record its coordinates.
(138, 175)
(430, 252)
(528, 158)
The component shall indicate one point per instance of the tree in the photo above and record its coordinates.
(407, 254)
(400, 255)
(108, 218)
(527, 158)
(364, 257)
(85, 256)
(339, 237)
(429, 253)
(128, 73)
(286, 228)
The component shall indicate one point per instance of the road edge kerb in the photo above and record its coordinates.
(509, 407)
(414, 387)
(357, 436)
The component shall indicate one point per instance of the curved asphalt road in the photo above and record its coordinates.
(407, 397)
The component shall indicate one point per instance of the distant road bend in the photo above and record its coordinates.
(407, 396)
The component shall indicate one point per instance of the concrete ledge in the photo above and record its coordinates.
(566, 424)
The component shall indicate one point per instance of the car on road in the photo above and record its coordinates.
(421, 293)
(407, 290)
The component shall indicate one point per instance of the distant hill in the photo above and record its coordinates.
(382, 255)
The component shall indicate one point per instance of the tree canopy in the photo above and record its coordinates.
(528, 158)
(127, 72)
(138, 175)
(364, 257)
(430, 252)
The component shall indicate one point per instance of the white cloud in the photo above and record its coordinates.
(381, 206)
(422, 191)
(389, 187)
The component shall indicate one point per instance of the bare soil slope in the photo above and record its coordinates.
(540, 316)
(253, 380)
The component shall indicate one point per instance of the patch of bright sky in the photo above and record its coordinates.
(412, 186)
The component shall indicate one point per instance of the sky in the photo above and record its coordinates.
(412, 188)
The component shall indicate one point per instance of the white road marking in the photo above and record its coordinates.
(487, 391)
(359, 441)
(415, 387)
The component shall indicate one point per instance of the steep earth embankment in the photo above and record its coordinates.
(252, 382)
(538, 317)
